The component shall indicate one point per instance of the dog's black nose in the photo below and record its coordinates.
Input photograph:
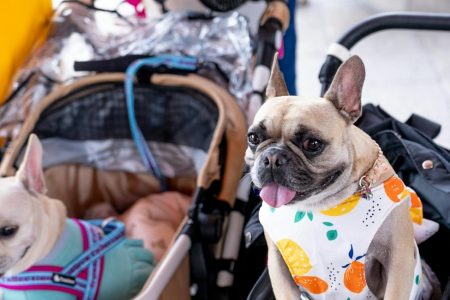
(274, 159)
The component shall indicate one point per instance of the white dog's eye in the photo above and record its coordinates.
(8, 231)
(253, 139)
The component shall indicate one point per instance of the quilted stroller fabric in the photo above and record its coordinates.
(78, 33)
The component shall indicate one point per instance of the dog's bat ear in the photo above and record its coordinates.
(276, 86)
(30, 171)
(346, 88)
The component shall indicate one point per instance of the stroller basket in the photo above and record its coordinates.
(195, 129)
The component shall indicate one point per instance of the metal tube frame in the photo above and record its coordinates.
(396, 20)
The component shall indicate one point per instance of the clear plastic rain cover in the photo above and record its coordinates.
(80, 33)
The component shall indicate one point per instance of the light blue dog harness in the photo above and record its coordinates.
(74, 269)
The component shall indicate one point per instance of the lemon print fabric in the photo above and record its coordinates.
(393, 188)
(325, 250)
(354, 276)
(416, 210)
(295, 257)
(396, 191)
(299, 265)
(415, 205)
(313, 284)
(344, 207)
(331, 232)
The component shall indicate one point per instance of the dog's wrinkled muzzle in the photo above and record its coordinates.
(276, 195)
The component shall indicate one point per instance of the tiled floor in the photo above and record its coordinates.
(407, 71)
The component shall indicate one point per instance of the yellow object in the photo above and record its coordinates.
(415, 205)
(416, 215)
(23, 25)
(344, 207)
(295, 257)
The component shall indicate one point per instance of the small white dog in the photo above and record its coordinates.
(43, 255)
(30, 222)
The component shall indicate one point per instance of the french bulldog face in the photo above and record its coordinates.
(21, 207)
(299, 148)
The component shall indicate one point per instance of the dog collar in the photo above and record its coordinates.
(372, 176)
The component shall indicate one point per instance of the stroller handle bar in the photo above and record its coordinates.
(340, 51)
(398, 20)
(273, 23)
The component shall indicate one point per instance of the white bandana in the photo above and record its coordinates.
(325, 250)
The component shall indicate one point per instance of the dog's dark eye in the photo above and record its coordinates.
(312, 145)
(253, 139)
(8, 231)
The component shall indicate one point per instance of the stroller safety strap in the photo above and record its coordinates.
(172, 62)
(83, 275)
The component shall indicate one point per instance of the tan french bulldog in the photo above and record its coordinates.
(306, 156)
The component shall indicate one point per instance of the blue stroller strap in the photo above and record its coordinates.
(183, 63)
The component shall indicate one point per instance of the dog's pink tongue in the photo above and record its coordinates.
(276, 195)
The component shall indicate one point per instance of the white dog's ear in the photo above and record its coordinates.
(276, 86)
(346, 88)
(30, 171)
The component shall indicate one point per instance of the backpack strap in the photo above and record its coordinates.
(428, 127)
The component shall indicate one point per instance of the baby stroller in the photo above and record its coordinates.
(218, 120)
(194, 128)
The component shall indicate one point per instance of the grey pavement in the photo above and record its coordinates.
(406, 71)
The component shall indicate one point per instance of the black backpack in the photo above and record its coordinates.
(425, 167)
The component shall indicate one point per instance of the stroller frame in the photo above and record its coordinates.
(231, 127)
(340, 50)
